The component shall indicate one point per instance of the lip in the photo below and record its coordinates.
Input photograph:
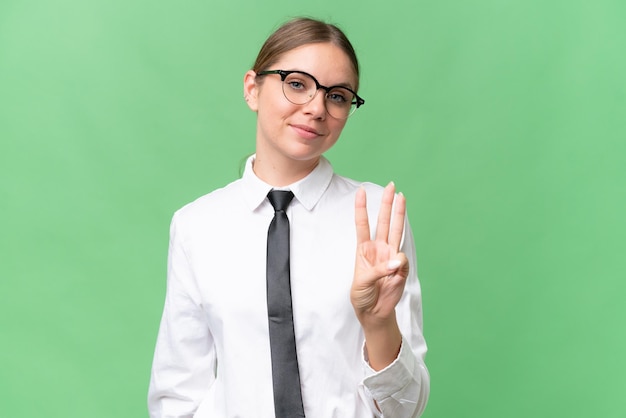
(305, 131)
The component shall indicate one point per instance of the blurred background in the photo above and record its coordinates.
(502, 121)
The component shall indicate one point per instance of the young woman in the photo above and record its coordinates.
(355, 301)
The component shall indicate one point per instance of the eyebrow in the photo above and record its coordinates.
(346, 85)
(343, 85)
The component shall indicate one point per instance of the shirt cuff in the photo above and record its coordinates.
(390, 381)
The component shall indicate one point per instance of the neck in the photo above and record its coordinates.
(282, 173)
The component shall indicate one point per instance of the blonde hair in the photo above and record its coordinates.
(299, 32)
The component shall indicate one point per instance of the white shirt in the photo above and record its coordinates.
(212, 356)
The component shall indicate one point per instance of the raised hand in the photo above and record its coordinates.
(380, 273)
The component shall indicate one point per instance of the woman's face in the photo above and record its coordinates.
(290, 135)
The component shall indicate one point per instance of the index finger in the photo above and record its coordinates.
(384, 213)
(360, 217)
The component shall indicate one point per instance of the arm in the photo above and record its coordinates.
(184, 362)
(386, 298)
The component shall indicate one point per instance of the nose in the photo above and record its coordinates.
(317, 106)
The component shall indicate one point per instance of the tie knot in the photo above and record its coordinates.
(280, 199)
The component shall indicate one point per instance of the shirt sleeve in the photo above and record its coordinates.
(401, 389)
(184, 362)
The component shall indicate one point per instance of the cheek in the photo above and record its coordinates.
(275, 108)
(337, 126)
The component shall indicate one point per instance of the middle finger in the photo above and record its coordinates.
(384, 214)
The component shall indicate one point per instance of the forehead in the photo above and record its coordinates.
(325, 61)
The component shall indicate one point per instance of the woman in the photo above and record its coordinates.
(359, 349)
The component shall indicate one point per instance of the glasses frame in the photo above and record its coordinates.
(358, 100)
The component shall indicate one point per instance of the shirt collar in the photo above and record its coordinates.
(308, 191)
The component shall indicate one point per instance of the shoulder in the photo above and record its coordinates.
(348, 186)
(344, 189)
(211, 204)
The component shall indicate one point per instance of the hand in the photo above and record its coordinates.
(380, 270)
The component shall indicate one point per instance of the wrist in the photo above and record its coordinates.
(383, 343)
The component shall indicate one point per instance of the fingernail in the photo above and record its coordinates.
(393, 264)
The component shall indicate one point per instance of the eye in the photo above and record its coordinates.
(297, 82)
(296, 85)
(339, 97)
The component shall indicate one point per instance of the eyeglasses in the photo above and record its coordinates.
(300, 88)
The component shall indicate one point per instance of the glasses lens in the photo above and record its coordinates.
(300, 89)
(339, 102)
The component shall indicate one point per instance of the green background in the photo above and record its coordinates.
(502, 121)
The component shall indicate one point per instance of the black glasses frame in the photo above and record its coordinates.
(284, 73)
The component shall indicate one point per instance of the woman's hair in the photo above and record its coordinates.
(299, 32)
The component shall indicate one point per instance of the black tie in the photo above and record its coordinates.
(285, 374)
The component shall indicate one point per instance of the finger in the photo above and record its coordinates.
(380, 270)
(397, 226)
(393, 264)
(360, 216)
(399, 263)
(398, 266)
(384, 214)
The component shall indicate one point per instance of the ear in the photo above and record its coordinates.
(251, 90)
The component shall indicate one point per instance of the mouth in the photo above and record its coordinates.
(306, 131)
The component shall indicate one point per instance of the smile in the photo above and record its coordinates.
(305, 131)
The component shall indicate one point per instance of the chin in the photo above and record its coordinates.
(304, 157)
(304, 152)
